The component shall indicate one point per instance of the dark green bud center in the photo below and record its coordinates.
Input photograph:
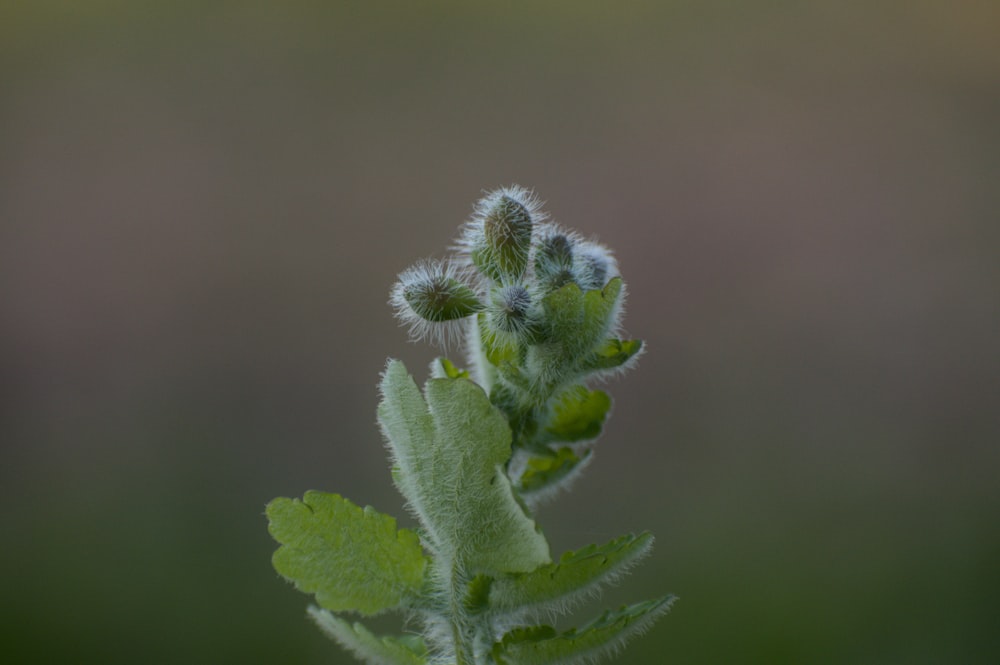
(554, 262)
(510, 309)
(441, 298)
(507, 228)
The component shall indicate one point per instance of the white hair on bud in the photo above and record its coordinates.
(525, 197)
(472, 235)
(511, 312)
(593, 265)
(549, 229)
(552, 271)
(438, 333)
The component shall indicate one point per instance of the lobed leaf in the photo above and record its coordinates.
(405, 650)
(541, 645)
(450, 451)
(352, 558)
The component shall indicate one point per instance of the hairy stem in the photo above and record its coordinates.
(464, 652)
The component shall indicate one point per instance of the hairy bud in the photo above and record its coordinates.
(507, 229)
(554, 261)
(497, 240)
(510, 310)
(432, 293)
(593, 265)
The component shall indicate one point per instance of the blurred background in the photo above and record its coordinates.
(203, 206)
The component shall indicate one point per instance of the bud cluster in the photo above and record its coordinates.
(538, 308)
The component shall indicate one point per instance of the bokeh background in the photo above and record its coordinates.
(203, 206)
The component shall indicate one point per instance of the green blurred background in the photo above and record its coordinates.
(203, 206)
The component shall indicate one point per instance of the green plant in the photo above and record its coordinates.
(538, 308)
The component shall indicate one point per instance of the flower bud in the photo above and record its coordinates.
(510, 310)
(441, 300)
(497, 240)
(554, 261)
(507, 229)
(593, 265)
(432, 293)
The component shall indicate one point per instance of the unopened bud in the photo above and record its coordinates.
(554, 261)
(441, 299)
(432, 293)
(507, 229)
(593, 265)
(497, 241)
(510, 310)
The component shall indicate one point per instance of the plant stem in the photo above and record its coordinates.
(464, 654)
(459, 646)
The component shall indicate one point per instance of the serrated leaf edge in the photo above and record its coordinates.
(564, 602)
(633, 627)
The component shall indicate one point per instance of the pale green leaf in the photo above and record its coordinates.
(541, 645)
(578, 415)
(405, 650)
(450, 452)
(576, 575)
(544, 475)
(352, 558)
(614, 353)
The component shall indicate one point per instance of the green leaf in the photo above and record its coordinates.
(405, 650)
(450, 452)
(576, 575)
(613, 354)
(352, 558)
(447, 369)
(599, 308)
(578, 320)
(564, 311)
(578, 415)
(545, 473)
(497, 351)
(477, 594)
(540, 645)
